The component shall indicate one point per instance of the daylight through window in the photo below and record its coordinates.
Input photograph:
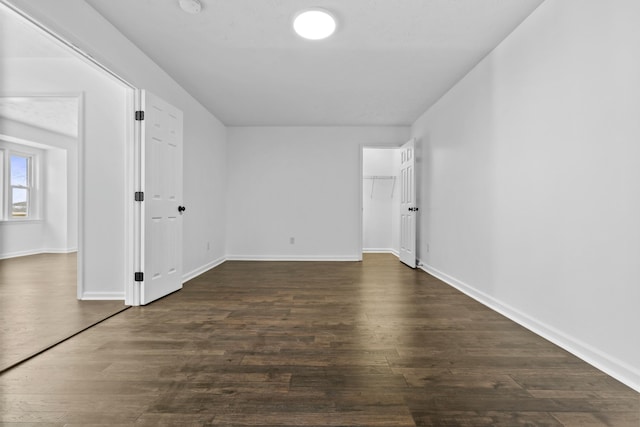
(18, 182)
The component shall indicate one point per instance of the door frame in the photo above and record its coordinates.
(79, 140)
(361, 188)
(129, 160)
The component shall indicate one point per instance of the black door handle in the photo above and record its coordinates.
(181, 209)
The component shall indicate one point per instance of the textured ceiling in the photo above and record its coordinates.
(54, 113)
(388, 61)
(21, 41)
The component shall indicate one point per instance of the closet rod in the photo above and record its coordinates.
(379, 177)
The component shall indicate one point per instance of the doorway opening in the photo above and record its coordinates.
(381, 200)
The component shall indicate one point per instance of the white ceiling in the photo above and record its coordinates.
(387, 63)
(19, 40)
(57, 114)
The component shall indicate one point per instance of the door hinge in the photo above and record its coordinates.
(139, 115)
(139, 196)
(138, 276)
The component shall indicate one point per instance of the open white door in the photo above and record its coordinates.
(408, 207)
(160, 213)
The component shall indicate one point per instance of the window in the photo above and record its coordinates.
(18, 182)
(19, 186)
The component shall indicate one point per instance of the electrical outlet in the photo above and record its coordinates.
(292, 240)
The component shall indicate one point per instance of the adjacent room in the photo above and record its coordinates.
(39, 245)
(424, 215)
(42, 108)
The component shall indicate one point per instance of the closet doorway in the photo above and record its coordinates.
(380, 200)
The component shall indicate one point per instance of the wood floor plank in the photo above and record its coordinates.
(369, 343)
(39, 305)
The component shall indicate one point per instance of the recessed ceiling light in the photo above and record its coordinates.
(314, 24)
(191, 6)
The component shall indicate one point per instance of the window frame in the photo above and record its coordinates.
(34, 158)
(27, 187)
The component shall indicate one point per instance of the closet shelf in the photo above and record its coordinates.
(386, 177)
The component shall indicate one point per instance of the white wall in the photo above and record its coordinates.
(300, 182)
(380, 201)
(205, 192)
(530, 180)
(55, 204)
(204, 135)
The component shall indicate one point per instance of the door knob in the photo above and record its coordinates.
(181, 209)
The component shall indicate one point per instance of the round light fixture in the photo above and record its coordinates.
(314, 24)
(191, 6)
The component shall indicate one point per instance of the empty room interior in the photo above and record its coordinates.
(427, 215)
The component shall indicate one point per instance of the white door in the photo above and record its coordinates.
(160, 210)
(408, 207)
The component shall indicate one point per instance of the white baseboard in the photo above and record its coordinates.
(381, 251)
(59, 251)
(619, 370)
(37, 252)
(200, 270)
(103, 296)
(291, 258)
(18, 254)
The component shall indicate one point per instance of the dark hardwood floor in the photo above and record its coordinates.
(312, 344)
(39, 305)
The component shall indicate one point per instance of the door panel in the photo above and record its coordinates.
(161, 181)
(408, 205)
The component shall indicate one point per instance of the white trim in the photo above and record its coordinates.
(364, 146)
(20, 254)
(291, 258)
(37, 252)
(103, 296)
(381, 251)
(63, 42)
(360, 200)
(80, 198)
(136, 241)
(131, 288)
(608, 364)
(59, 250)
(20, 221)
(201, 270)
